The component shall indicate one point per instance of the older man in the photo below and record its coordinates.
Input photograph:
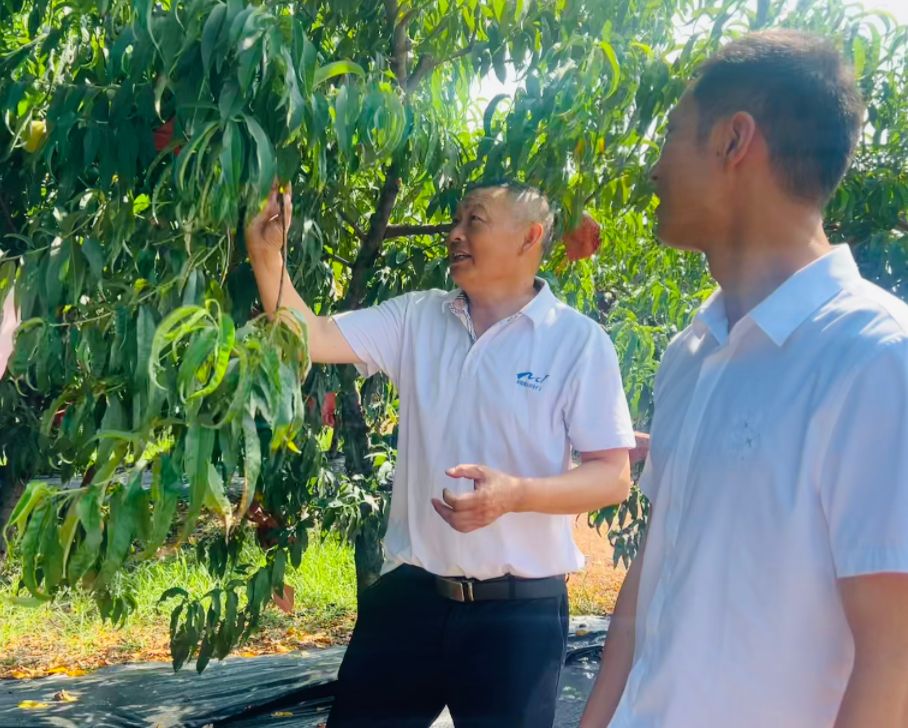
(773, 586)
(499, 383)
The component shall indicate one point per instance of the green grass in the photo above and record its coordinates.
(70, 631)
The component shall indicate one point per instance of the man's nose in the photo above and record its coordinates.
(455, 234)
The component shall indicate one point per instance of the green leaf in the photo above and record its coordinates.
(196, 458)
(121, 525)
(68, 530)
(175, 326)
(615, 75)
(166, 486)
(198, 353)
(89, 511)
(264, 157)
(226, 338)
(35, 493)
(91, 249)
(277, 571)
(145, 330)
(174, 591)
(252, 463)
(489, 114)
(211, 32)
(216, 498)
(337, 68)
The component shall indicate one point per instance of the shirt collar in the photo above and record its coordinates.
(535, 309)
(786, 308)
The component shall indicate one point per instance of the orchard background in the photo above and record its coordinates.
(149, 404)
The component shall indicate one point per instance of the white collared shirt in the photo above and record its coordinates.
(779, 464)
(518, 399)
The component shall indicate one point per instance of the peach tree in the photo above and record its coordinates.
(149, 403)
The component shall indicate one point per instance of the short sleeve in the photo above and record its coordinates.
(864, 483)
(596, 413)
(376, 335)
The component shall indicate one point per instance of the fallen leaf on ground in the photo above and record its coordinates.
(33, 705)
(282, 714)
(64, 670)
(21, 674)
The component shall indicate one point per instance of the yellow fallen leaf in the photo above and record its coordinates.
(21, 674)
(282, 714)
(64, 696)
(582, 632)
(32, 705)
(64, 670)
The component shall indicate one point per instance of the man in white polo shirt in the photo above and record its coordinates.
(499, 383)
(772, 590)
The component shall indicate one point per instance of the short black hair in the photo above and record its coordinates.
(803, 96)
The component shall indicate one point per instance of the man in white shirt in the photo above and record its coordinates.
(772, 589)
(499, 382)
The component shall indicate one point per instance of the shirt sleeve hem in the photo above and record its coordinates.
(619, 440)
(864, 562)
(348, 331)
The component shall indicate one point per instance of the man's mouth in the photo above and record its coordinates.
(458, 257)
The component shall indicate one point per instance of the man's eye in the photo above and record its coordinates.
(475, 217)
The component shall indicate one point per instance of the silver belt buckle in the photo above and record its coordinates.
(457, 590)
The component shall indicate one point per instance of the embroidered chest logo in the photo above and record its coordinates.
(531, 381)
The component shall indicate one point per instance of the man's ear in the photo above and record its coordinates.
(738, 137)
(533, 236)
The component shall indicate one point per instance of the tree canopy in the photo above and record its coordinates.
(137, 138)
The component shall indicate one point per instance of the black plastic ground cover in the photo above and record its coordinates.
(285, 691)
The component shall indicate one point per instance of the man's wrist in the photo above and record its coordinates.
(264, 257)
(520, 488)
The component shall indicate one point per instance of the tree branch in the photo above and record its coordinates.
(404, 231)
(427, 63)
(369, 250)
(400, 42)
(342, 261)
(352, 223)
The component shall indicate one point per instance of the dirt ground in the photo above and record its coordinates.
(595, 589)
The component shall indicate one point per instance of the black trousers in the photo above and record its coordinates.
(493, 663)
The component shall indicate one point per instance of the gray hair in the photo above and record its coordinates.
(530, 202)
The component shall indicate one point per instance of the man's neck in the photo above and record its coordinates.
(489, 306)
(763, 253)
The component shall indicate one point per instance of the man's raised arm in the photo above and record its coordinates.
(265, 243)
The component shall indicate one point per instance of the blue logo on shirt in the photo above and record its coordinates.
(531, 381)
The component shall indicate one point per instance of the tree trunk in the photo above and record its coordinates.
(368, 554)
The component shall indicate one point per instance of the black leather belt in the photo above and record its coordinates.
(461, 589)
